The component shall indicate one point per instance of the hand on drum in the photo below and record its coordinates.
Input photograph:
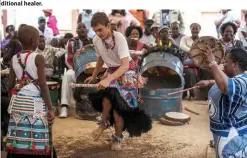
(51, 117)
(209, 55)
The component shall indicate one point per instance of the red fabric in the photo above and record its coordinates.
(140, 46)
(71, 53)
(48, 11)
(52, 23)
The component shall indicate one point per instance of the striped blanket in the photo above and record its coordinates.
(28, 131)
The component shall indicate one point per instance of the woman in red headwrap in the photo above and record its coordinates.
(52, 22)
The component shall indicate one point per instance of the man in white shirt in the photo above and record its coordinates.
(147, 37)
(44, 30)
(112, 49)
(167, 17)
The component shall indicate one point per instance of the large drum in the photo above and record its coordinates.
(84, 65)
(53, 88)
(165, 75)
(200, 46)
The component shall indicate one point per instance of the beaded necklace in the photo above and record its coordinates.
(106, 45)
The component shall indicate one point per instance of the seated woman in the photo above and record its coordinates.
(136, 47)
(190, 71)
(228, 32)
(227, 103)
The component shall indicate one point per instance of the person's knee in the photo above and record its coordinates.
(106, 103)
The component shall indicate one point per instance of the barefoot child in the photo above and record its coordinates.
(118, 105)
(31, 112)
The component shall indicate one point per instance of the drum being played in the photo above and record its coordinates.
(164, 73)
(53, 88)
(200, 46)
(84, 65)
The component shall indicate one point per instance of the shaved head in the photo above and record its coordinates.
(29, 37)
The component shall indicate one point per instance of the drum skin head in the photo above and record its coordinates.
(200, 46)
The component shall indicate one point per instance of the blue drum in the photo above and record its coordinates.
(84, 65)
(165, 75)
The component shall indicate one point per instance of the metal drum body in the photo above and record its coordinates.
(84, 65)
(156, 100)
(53, 89)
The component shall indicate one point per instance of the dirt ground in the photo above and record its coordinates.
(72, 138)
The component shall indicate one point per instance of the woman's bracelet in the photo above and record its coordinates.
(212, 63)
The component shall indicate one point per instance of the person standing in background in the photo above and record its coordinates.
(223, 17)
(243, 30)
(122, 19)
(147, 37)
(52, 22)
(176, 35)
(141, 16)
(85, 17)
(166, 17)
(44, 30)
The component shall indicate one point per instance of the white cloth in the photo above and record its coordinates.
(234, 145)
(149, 40)
(48, 34)
(186, 43)
(112, 58)
(31, 68)
(66, 95)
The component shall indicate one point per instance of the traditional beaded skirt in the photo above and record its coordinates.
(28, 130)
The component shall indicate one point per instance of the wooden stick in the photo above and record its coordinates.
(192, 111)
(185, 90)
(73, 85)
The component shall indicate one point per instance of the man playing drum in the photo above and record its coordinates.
(74, 46)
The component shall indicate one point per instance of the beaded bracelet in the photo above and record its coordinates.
(212, 63)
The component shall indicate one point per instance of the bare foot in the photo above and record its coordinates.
(191, 98)
(116, 145)
(97, 133)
